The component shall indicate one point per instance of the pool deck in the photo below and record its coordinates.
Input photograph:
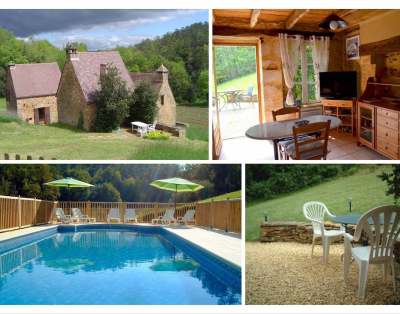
(226, 246)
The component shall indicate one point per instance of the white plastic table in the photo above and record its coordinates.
(277, 130)
(141, 126)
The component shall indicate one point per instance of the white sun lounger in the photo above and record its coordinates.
(166, 219)
(114, 215)
(187, 218)
(60, 215)
(130, 214)
(77, 215)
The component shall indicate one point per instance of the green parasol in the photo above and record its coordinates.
(177, 185)
(69, 183)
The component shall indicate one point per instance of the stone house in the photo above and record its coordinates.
(166, 101)
(79, 84)
(31, 92)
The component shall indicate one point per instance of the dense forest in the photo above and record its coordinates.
(269, 181)
(118, 182)
(232, 62)
(184, 52)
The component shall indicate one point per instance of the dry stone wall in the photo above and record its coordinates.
(166, 112)
(27, 106)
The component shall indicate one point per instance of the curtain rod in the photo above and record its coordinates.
(294, 36)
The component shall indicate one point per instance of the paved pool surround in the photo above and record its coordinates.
(225, 270)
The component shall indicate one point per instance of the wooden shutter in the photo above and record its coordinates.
(47, 116)
(36, 115)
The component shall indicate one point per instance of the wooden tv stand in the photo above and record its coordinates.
(378, 122)
(345, 110)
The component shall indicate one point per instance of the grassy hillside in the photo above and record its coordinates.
(2, 104)
(364, 187)
(241, 83)
(231, 195)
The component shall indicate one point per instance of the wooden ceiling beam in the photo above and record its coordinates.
(360, 16)
(381, 47)
(244, 23)
(294, 17)
(254, 17)
(233, 31)
(213, 17)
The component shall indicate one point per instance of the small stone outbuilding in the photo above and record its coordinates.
(166, 100)
(79, 84)
(31, 92)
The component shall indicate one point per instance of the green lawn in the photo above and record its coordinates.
(2, 104)
(231, 195)
(366, 189)
(66, 142)
(240, 83)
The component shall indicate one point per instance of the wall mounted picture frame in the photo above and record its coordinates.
(353, 47)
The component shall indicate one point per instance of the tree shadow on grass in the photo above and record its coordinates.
(67, 127)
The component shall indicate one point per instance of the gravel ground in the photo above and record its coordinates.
(285, 273)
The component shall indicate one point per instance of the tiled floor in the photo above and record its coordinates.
(343, 146)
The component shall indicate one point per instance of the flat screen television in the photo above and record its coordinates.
(338, 85)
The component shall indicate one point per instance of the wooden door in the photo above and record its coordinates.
(366, 124)
(47, 116)
(215, 124)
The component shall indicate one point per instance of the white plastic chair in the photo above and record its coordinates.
(77, 215)
(382, 237)
(130, 214)
(152, 127)
(114, 215)
(60, 215)
(187, 218)
(315, 211)
(142, 130)
(166, 219)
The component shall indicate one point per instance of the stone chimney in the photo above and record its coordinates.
(11, 65)
(162, 74)
(103, 69)
(72, 52)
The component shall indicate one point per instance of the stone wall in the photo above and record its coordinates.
(11, 104)
(71, 100)
(166, 112)
(291, 232)
(27, 106)
(273, 80)
(179, 132)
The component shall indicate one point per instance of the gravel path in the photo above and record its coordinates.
(284, 273)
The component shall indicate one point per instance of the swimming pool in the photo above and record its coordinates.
(109, 265)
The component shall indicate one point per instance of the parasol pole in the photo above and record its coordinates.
(176, 194)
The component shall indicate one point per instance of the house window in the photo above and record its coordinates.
(162, 100)
(305, 87)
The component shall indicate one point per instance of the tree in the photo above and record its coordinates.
(393, 182)
(202, 83)
(179, 80)
(143, 106)
(112, 101)
(3, 77)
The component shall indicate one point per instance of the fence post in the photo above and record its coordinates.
(17, 157)
(227, 213)
(89, 209)
(19, 211)
(124, 209)
(29, 157)
(35, 212)
(212, 200)
(156, 210)
(6, 156)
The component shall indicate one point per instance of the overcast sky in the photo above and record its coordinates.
(99, 29)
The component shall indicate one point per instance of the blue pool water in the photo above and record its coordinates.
(108, 267)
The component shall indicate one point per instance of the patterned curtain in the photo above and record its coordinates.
(320, 55)
(290, 53)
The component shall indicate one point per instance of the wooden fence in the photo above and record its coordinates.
(18, 212)
(18, 157)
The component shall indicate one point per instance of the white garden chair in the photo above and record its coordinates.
(382, 226)
(130, 214)
(152, 127)
(142, 130)
(166, 219)
(114, 215)
(315, 211)
(60, 215)
(187, 218)
(77, 215)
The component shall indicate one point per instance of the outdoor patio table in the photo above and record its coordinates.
(139, 124)
(225, 96)
(346, 220)
(277, 131)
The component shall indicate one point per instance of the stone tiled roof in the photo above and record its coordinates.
(35, 79)
(137, 77)
(87, 69)
(162, 69)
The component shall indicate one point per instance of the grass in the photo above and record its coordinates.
(192, 114)
(170, 150)
(231, 195)
(67, 142)
(366, 189)
(197, 131)
(199, 102)
(240, 83)
(2, 104)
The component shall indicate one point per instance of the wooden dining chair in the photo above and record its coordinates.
(285, 111)
(287, 141)
(310, 148)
